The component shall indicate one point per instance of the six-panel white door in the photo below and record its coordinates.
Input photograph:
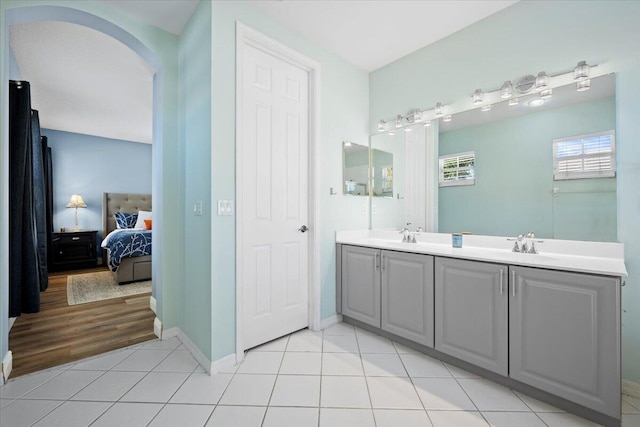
(274, 191)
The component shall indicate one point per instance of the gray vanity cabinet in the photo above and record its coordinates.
(471, 312)
(361, 284)
(564, 335)
(407, 296)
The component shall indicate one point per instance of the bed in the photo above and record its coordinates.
(133, 268)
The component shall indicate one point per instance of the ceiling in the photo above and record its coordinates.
(86, 82)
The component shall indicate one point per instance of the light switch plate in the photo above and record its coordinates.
(197, 208)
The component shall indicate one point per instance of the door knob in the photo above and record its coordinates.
(303, 229)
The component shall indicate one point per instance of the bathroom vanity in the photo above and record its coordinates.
(547, 324)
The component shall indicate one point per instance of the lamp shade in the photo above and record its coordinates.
(76, 202)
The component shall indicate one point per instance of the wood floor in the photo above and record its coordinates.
(60, 333)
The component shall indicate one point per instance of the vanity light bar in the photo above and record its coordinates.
(542, 83)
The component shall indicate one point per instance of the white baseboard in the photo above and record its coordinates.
(152, 304)
(223, 363)
(170, 333)
(194, 350)
(7, 365)
(330, 321)
(631, 389)
(157, 327)
(12, 320)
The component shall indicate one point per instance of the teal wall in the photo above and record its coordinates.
(161, 50)
(525, 38)
(194, 294)
(513, 191)
(343, 116)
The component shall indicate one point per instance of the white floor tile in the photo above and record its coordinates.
(629, 420)
(489, 396)
(74, 414)
(510, 419)
(375, 344)
(344, 392)
(442, 394)
(142, 360)
(296, 390)
(237, 416)
(182, 415)
(305, 340)
(340, 329)
(279, 344)
(383, 365)
(340, 344)
(20, 386)
(459, 372)
(393, 393)
(398, 418)
(110, 387)
(23, 413)
(457, 419)
(157, 344)
(178, 361)
(156, 387)
(342, 364)
(248, 389)
(65, 385)
(330, 417)
(202, 388)
(564, 420)
(291, 417)
(128, 415)
(5, 402)
(403, 349)
(536, 405)
(105, 362)
(301, 363)
(421, 365)
(261, 362)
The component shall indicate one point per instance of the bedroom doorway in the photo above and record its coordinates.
(130, 310)
(276, 226)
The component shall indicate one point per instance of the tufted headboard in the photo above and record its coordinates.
(125, 202)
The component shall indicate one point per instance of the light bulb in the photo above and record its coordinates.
(542, 81)
(583, 85)
(546, 93)
(398, 121)
(477, 97)
(381, 126)
(439, 110)
(581, 72)
(447, 118)
(427, 123)
(507, 90)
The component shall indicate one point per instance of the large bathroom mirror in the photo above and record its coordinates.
(355, 169)
(515, 190)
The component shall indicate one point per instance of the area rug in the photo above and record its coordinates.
(91, 287)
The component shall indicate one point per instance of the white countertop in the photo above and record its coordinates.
(569, 255)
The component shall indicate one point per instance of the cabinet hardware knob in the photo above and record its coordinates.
(75, 238)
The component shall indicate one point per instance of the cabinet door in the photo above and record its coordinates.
(564, 330)
(407, 296)
(361, 284)
(471, 312)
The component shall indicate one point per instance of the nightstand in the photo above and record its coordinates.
(74, 250)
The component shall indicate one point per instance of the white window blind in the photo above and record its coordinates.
(584, 156)
(457, 169)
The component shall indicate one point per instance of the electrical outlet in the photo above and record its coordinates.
(225, 207)
(197, 208)
(373, 209)
(363, 209)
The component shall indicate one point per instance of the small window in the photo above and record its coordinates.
(584, 156)
(457, 169)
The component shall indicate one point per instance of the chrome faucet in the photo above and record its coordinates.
(407, 236)
(521, 244)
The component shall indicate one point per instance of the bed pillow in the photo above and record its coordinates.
(147, 224)
(142, 215)
(125, 220)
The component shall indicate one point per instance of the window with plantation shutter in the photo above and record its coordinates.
(457, 169)
(584, 156)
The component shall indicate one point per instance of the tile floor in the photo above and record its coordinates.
(340, 377)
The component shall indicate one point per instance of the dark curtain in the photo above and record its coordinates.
(24, 268)
(39, 199)
(48, 173)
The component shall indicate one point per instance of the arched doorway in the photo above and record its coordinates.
(79, 17)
